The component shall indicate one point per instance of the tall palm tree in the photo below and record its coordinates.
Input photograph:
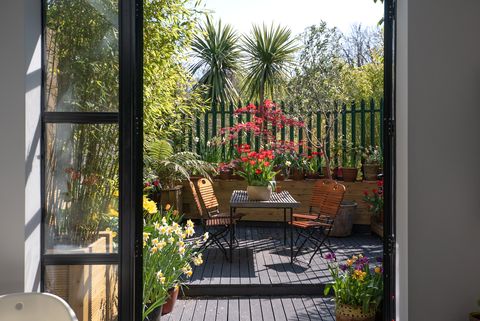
(269, 56)
(217, 51)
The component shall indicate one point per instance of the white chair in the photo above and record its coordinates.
(34, 306)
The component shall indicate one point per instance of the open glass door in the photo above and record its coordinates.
(92, 156)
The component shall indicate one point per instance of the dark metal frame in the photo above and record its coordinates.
(389, 239)
(130, 121)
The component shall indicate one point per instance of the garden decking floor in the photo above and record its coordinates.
(301, 308)
(261, 264)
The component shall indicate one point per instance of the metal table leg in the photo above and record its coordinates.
(285, 226)
(231, 234)
(291, 235)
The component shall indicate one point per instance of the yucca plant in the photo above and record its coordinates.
(172, 168)
(269, 57)
(217, 51)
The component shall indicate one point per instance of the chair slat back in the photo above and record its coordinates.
(327, 196)
(207, 195)
(197, 199)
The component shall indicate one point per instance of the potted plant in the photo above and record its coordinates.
(372, 159)
(374, 199)
(357, 286)
(257, 169)
(169, 250)
(314, 163)
(349, 168)
(171, 169)
(297, 166)
(225, 171)
(475, 316)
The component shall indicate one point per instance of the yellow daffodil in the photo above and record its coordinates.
(155, 241)
(181, 243)
(181, 250)
(164, 220)
(205, 236)
(160, 277)
(189, 231)
(156, 225)
(146, 235)
(153, 249)
(198, 260)
(163, 230)
(113, 212)
(161, 245)
(112, 232)
(171, 240)
(190, 224)
(187, 270)
(115, 194)
(149, 206)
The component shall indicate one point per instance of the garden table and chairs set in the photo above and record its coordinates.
(314, 226)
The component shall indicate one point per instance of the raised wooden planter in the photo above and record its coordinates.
(300, 190)
(91, 290)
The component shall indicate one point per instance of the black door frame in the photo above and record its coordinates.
(130, 121)
(389, 224)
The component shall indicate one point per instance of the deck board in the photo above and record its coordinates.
(261, 259)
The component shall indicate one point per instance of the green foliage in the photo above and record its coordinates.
(217, 53)
(269, 57)
(172, 168)
(169, 101)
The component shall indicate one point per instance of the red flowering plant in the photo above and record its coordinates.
(374, 199)
(261, 124)
(257, 167)
(314, 162)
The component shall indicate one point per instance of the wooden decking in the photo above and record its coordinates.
(302, 308)
(261, 264)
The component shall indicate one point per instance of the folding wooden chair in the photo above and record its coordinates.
(217, 227)
(327, 195)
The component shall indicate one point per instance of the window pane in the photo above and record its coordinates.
(91, 290)
(82, 55)
(81, 178)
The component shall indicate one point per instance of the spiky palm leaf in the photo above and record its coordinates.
(217, 52)
(269, 56)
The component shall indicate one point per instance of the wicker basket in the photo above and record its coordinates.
(348, 313)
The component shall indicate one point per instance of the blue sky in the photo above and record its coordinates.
(296, 14)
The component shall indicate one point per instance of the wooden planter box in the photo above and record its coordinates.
(91, 290)
(300, 190)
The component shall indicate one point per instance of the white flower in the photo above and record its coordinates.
(209, 143)
(160, 277)
(198, 260)
(288, 163)
(196, 139)
(206, 236)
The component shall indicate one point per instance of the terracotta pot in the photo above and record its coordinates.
(475, 316)
(226, 174)
(337, 173)
(297, 174)
(348, 313)
(349, 174)
(156, 315)
(259, 193)
(173, 295)
(370, 171)
(313, 175)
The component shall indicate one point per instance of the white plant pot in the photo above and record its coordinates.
(259, 193)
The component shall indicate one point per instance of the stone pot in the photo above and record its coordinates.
(370, 171)
(259, 193)
(344, 219)
(474, 316)
(349, 174)
(172, 299)
(297, 174)
(345, 312)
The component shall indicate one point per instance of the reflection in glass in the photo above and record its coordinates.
(82, 55)
(91, 290)
(81, 188)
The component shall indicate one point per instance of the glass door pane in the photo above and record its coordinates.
(81, 167)
(81, 55)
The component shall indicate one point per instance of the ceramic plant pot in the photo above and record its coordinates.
(259, 193)
(172, 298)
(348, 313)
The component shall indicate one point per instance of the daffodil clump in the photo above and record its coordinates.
(358, 282)
(170, 251)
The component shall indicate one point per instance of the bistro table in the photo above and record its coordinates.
(282, 200)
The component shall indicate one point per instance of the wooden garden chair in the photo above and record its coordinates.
(217, 227)
(316, 225)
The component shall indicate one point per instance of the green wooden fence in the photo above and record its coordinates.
(356, 124)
